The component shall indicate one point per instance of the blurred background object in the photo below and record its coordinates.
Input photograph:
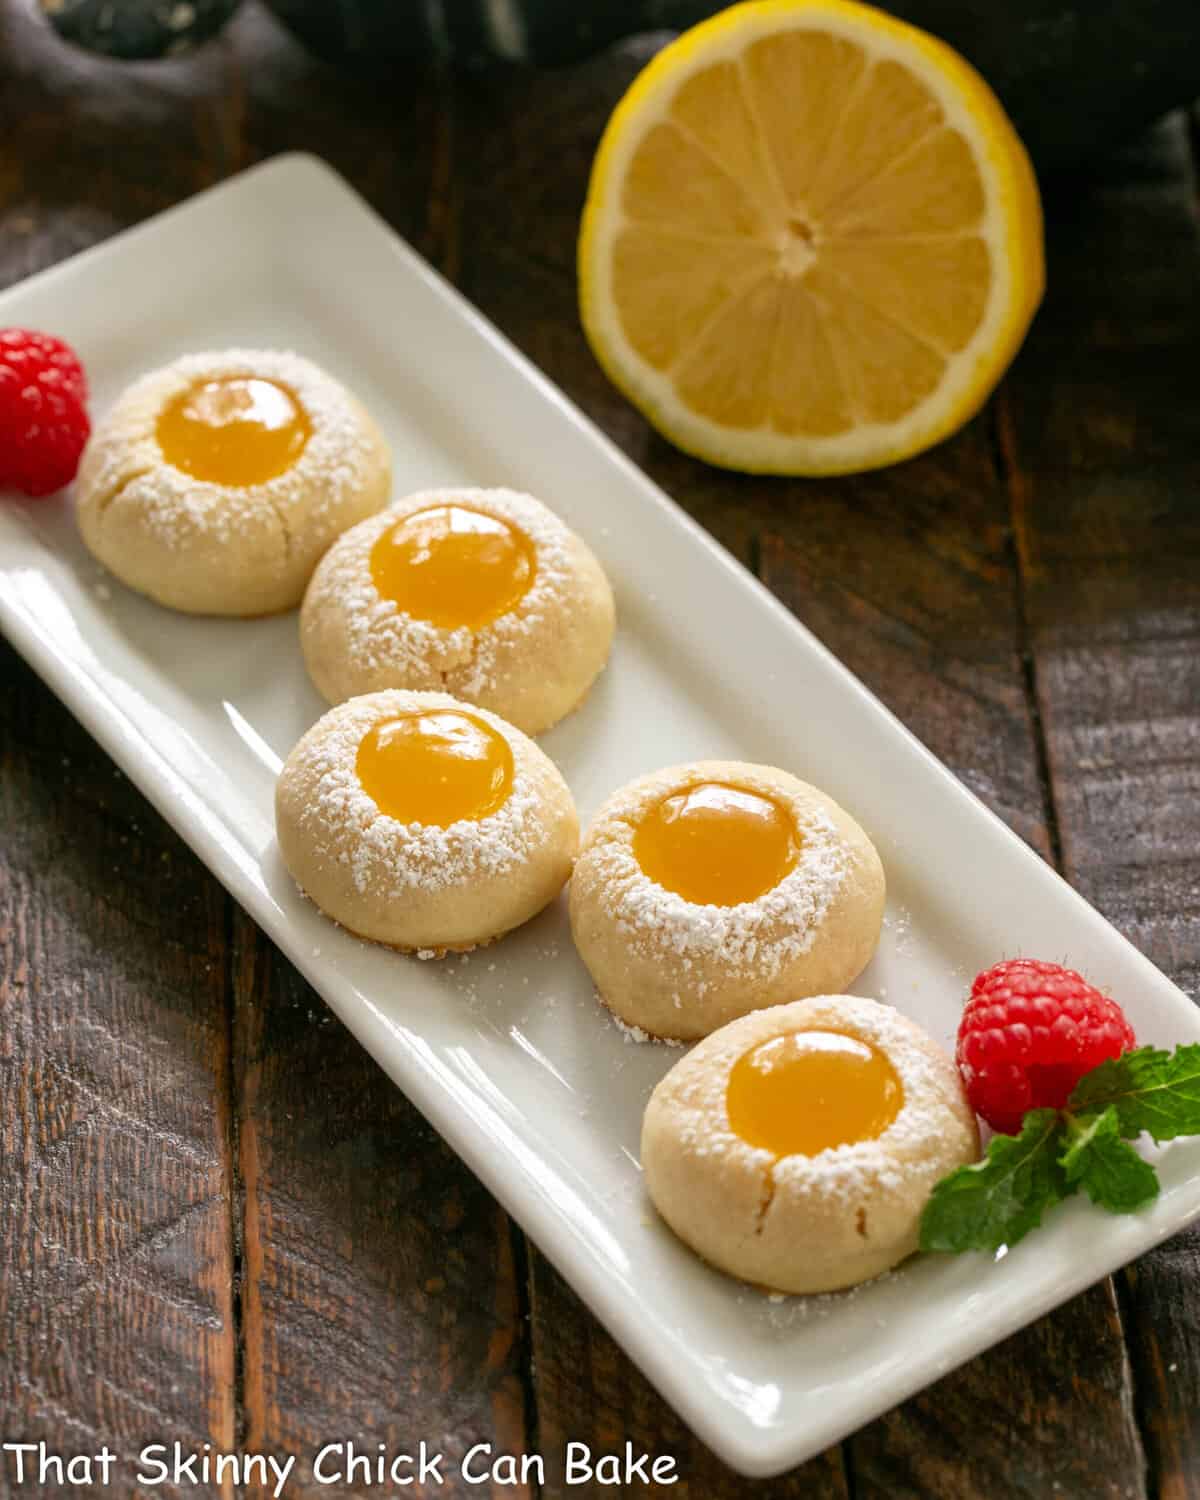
(1076, 78)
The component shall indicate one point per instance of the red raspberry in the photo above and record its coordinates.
(1029, 1033)
(43, 413)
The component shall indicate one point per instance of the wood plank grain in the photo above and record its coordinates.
(1109, 535)
(1046, 1413)
(115, 1297)
(910, 577)
(589, 1392)
(907, 576)
(116, 1317)
(380, 1303)
(379, 1297)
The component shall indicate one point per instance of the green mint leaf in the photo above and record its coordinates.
(1107, 1168)
(997, 1201)
(1150, 1090)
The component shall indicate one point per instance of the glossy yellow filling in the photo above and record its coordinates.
(717, 845)
(808, 1091)
(435, 768)
(235, 431)
(453, 566)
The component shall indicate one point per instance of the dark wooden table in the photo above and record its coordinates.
(218, 1220)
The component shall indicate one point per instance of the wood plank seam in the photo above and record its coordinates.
(235, 1185)
(228, 118)
(1003, 441)
(1017, 490)
(526, 1293)
(1138, 1404)
(1136, 593)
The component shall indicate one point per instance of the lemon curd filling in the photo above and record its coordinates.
(236, 431)
(805, 1092)
(717, 845)
(453, 566)
(435, 768)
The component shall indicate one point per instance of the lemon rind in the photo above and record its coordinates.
(1012, 228)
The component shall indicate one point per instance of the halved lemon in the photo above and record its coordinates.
(812, 241)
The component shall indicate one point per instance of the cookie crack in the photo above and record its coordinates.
(120, 487)
(468, 667)
(463, 671)
(766, 1198)
(278, 507)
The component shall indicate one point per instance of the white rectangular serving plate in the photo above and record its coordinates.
(507, 1052)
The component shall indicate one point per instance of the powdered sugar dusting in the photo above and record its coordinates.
(380, 636)
(755, 938)
(336, 464)
(906, 1159)
(780, 1312)
(386, 856)
(635, 1036)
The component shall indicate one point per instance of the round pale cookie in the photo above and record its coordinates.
(215, 484)
(423, 822)
(515, 615)
(718, 1128)
(680, 957)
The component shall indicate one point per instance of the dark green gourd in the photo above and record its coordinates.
(1075, 75)
(135, 29)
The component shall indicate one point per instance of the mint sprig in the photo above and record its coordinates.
(998, 1200)
(1158, 1092)
(1108, 1169)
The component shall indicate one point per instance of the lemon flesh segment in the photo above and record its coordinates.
(812, 241)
